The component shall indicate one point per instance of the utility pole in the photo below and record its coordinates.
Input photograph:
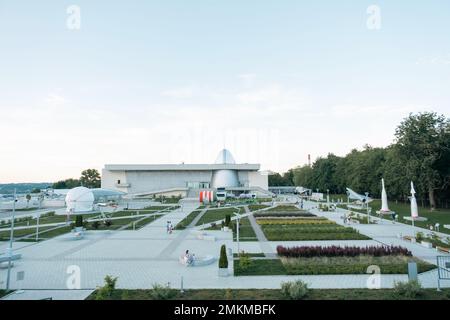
(11, 238)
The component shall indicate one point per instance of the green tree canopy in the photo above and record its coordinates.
(90, 178)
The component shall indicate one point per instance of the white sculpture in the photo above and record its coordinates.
(384, 201)
(414, 209)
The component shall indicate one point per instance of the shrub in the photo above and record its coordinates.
(294, 290)
(410, 289)
(108, 223)
(419, 236)
(107, 290)
(244, 261)
(95, 225)
(223, 260)
(160, 292)
(228, 294)
(78, 221)
(227, 220)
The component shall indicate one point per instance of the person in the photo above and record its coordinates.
(393, 217)
(170, 227)
(436, 226)
(167, 226)
(188, 258)
(396, 218)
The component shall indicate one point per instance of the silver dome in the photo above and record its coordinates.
(225, 157)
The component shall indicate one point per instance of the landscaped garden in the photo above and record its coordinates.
(306, 228)
(213, 215)
(47, 232)
(293, 290)
(330, 260)
(187, 220)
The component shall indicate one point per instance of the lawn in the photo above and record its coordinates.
(442, 216)
(324, 265)
(216, 214)
(187, 220)
(274, 294)
(254, 207)
(307, 229)
(44, 233)
(246, 232)
(143, 222)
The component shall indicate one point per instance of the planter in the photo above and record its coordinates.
(426, 244)
(223, 272)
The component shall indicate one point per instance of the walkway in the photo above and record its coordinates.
(262, 240)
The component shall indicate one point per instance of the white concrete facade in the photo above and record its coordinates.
(180, 178)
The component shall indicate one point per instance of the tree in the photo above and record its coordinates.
(90, 178)
(223, 259)
(423, 141)
(303, 176)
(66, 184)
(28, 197)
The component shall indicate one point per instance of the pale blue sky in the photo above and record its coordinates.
(171, 81)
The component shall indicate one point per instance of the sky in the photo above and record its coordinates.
(89, 83)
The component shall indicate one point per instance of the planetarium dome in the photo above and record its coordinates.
(225, 157)
(225, 178)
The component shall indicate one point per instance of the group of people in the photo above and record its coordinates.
(169, 227)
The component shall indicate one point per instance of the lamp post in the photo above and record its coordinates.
(328, 197)
(237, 229)
(11, 238)
(368, 208)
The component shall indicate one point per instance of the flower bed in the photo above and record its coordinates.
(288, 221)
(336, 251)
(284, 214)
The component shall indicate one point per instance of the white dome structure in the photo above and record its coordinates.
(225, 178)
(225, 157)
(79, 199)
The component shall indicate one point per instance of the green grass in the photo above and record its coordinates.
(214, 215)
(254, 207)
(141, 223)
(323, 266)
(187, 220)
(251, 255)
(285, 208)
(246, 232)
(44, 233)
(352, 265)
(275, 294)
(442, 216)
(261, 267)
(306, 231)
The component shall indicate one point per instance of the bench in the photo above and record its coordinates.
(197, 262)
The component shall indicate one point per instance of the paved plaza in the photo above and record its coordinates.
(150, 255)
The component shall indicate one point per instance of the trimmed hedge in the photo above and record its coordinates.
(337, 251)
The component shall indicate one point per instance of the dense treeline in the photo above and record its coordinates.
(419, 153)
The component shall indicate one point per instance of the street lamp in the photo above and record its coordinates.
(11, 237)
(328, 197)
(368, 208)
(237, 229)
